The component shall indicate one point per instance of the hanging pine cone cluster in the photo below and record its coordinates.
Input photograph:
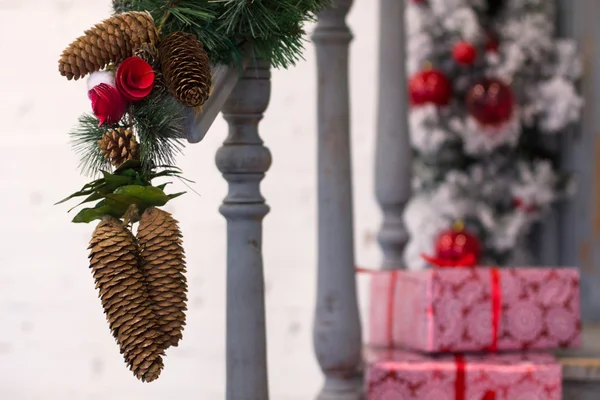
(119, 145)
(139, 86)
(111, 41)
(142, 286)
(186, 68)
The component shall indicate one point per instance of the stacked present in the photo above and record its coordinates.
(470, 333)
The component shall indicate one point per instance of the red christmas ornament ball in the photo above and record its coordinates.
(455, 244)
(430, 86)
(464, 53)
(490, 101)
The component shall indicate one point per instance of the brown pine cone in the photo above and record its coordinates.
(163, 266)
(186, 68)
(119, 145)
(114, 260)
(111, 41)
(149, 53)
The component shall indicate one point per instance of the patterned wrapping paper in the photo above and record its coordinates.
(475, 309)
(401, 375)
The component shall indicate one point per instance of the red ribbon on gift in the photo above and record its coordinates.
(460, 384)
(496, 300)
(389, 324)
(489, 395)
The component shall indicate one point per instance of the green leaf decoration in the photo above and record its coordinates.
(131, 164)
(120, 203)
(115, 181)
(88, 215)
(93, 197)
(173, 196)
(119, 190)
(144, 195)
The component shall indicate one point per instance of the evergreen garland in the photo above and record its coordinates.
(271, 30)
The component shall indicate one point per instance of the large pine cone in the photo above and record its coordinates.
(119, 145)
(114, 260)
(185, 68)
(113, 40)
(163, 266)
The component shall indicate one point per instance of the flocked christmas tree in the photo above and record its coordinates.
(491, 88)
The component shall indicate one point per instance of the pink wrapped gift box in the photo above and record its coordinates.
(475, 309)
(401, 375)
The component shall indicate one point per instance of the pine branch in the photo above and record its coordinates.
(84, 140)
(159, 122)
(271, 28)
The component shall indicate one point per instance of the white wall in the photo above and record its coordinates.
(54, 341)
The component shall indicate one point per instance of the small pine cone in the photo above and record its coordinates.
(163, 266)
(186, 68)
(114, 260)
(149, 53)
(119, 145)
(110, 41)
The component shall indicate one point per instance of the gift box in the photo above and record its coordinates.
(402, 375)
(475, 309)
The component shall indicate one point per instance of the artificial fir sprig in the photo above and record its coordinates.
(84, 140)
(159, 121)
(230, 29)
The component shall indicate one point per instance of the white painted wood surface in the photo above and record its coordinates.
(337, 330)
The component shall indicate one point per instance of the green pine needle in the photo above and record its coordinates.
(84, 140)
(159, 121)
(271, 29)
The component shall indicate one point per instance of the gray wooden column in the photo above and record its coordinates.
(337, 334)
(579, 233)
(243, 160)
(393, 150)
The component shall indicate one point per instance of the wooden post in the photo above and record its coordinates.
(578, 235)
(337, 334)
(393, 151)
(243, 160)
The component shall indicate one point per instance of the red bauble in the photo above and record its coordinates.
(490, 101)
(464, 53)
(430, 86)
(455, 245)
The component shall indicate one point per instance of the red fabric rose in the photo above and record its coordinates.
(107, 103)
(134, 78)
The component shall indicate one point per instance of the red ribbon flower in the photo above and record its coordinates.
(134, 78)
(107, 103)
